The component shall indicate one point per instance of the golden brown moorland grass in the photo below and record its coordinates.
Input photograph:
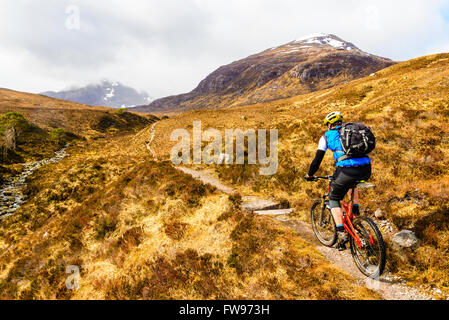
(44, 125)
(79, 119)
(139, 229)
(407, 106)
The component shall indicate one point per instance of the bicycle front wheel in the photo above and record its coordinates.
(370, 258)
(323, 224)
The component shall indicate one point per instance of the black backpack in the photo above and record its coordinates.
(357, 140)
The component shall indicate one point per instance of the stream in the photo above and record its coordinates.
(11, 192)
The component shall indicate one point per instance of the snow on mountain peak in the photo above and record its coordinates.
(110, 93)
(103, 92)
(324, 39)
(113, 90)
(313, 36)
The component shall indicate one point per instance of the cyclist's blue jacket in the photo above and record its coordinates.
(332, 138)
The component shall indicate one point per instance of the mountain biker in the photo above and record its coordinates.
(347, 173)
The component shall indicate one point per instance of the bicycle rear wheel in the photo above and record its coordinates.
(371, 257)
(323, 224)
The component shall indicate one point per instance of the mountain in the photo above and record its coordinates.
(106, 93)
(305, 65)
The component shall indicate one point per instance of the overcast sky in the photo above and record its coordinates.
(168, 46)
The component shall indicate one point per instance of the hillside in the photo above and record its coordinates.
(407, 107)
(106, 93)
(44, 125)
(301, 66)
(49, 113)
(140, 229)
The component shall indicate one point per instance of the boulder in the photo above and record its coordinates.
(278, 212)
(379, 214)
(251, 204)
(405, 239)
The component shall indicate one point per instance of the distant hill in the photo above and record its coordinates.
(80, 119)
(305, 65)
(106, 93)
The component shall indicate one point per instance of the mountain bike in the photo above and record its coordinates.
(367, 245)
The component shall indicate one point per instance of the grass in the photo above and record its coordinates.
(32, 143)
(406, 106)
(44, 125)
(139, 229)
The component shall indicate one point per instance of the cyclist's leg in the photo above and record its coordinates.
(337, 212)
(343, 181)
(338, 191)
(355, 203)
(340, 186)
(361, 173)
(337, 194)
(356, 195)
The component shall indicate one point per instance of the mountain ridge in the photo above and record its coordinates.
(301, 66)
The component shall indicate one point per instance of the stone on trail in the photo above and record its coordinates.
(279, 212)
(405, 239)
(379, 214)
(251, 204)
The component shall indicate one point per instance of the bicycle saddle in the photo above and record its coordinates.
(364, 185)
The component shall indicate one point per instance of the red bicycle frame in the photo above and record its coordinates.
(348, 217)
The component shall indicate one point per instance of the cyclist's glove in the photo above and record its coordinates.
(309, 178)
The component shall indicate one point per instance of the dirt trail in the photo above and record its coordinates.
(206, 178)
(148, 144)
(387, 286)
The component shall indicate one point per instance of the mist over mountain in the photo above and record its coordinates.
(106, 93)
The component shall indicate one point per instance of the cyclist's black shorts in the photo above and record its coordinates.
(345, 178)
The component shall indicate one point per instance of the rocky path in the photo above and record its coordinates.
(388, 286)
(148, 144)
(206, 177)
(11, 192)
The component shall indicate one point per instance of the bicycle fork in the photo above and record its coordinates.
(323, 207)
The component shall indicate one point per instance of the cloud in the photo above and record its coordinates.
(168, 47)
